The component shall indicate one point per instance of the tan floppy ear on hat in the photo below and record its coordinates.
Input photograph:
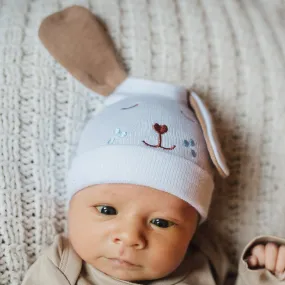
(205, 119)
(79, 42)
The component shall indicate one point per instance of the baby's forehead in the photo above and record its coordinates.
(138, 194)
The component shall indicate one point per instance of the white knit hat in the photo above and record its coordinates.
(147, 135)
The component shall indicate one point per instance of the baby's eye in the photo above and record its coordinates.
(162, 223)
(106, 210)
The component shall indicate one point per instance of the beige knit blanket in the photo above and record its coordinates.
(229, 51)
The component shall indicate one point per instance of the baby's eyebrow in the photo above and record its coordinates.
(173, 218)
(177, 215)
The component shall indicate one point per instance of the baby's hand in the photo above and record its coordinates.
(270, 256)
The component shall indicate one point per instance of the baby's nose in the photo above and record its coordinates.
(130, 235)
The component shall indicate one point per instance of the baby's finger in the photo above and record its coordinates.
(252, 261)
(280, 263)
(271, 253)
(259, 252)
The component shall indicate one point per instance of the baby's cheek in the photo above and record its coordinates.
(166, 257)
(80, 235)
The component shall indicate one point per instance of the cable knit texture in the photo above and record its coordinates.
(231, 52)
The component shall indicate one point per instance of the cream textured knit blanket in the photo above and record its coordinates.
(231, 52)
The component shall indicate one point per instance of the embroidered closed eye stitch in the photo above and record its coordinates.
(127, 108)
(187, 117)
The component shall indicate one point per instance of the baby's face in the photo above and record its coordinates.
(148, 229)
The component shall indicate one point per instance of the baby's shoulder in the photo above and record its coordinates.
(57, 264)
(63, 256)
(58, 250)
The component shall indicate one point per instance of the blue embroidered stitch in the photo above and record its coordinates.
(191, 144)
(111, 140)
(118, 133)
(186, 143)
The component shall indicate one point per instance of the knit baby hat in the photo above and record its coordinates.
(153, 134)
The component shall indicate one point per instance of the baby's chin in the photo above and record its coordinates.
(127, 275)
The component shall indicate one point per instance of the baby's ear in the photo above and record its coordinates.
(205, 119)
(79, 42)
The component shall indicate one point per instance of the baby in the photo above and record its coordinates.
(140, 185)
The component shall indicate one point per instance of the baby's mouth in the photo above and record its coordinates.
(121, 262)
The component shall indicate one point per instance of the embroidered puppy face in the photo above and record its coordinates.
(162, 129)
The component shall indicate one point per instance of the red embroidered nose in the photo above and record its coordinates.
(161, 129)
